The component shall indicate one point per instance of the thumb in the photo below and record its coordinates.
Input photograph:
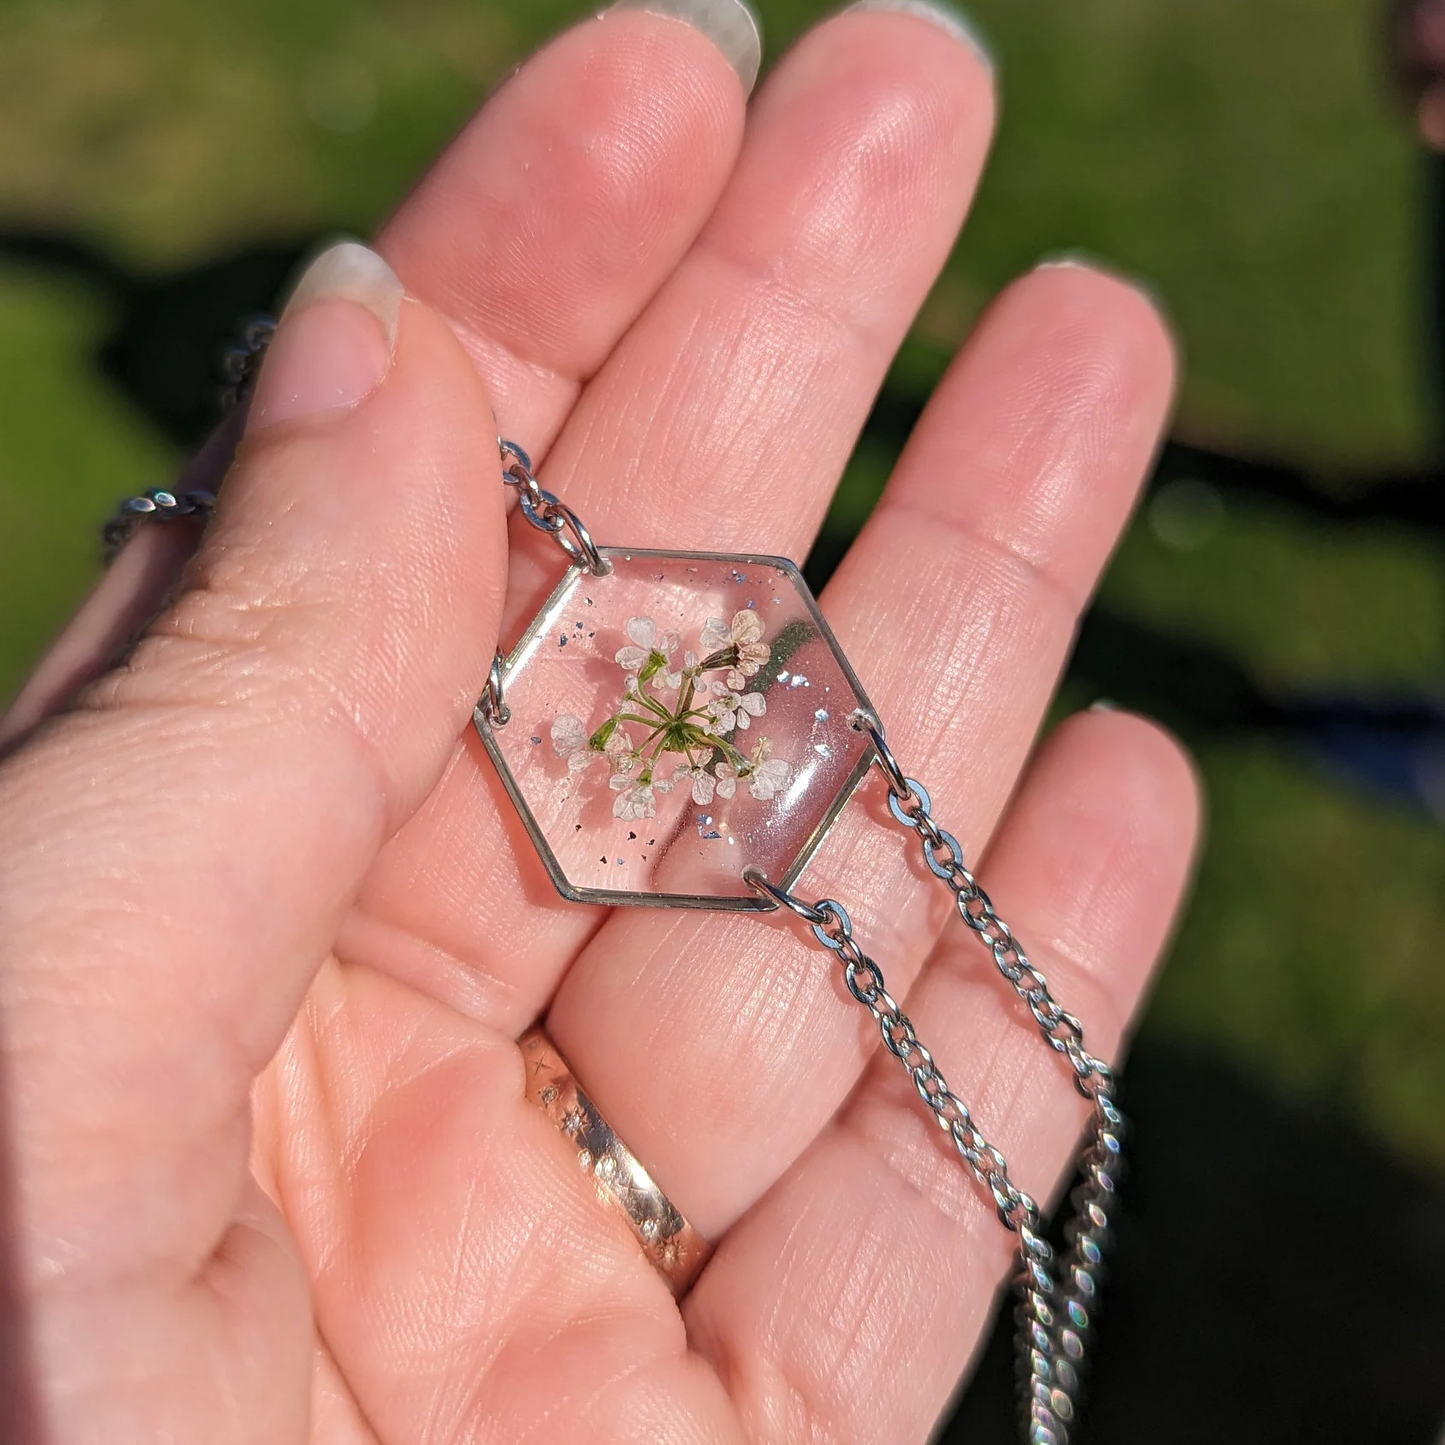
(176, 853)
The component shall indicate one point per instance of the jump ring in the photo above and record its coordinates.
(491, 704)
(758, 882)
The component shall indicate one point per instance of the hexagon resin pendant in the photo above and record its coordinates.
(673, 722)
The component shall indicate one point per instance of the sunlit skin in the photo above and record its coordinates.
(269, 927)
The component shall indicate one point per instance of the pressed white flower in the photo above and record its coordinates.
(715, 635)
(646, 644)
(731, 709)
(620, 752)
(643, 632)
(633, 800)
(657, 673)
(746, 627)
(571, 740)
(768, 779)
(702, 781)
(689, 661)
(569, 734)
(747, 631)
(744, 633)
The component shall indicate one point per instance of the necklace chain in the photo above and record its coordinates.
(548, 513)
(1056, 1296)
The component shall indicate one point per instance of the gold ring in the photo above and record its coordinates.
(676, 1249)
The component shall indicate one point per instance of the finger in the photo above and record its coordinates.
(878, 1245)
(465, 1278)
(722, 422)
(957, 606)
(175, 856)
(540, 233)
(553, 218)
(744, 385)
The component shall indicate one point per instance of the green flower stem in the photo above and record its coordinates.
(682, 729)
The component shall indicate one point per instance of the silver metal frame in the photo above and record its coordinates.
(751, 902)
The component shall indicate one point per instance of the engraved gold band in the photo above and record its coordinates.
(676, 1249)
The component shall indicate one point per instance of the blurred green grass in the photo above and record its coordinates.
(1242, 156)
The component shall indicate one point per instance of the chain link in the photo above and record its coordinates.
(241, 362)
(548, 514)
(239, 365)
(1056, 1296)
(156, 505)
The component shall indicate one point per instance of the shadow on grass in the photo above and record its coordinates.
(1276, 1278)
(169, 330)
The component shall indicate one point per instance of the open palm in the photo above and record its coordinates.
(269, 931)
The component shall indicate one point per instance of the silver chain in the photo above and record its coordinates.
(156, 505)
(239, 366)
(1056, 1296)
(547, 513)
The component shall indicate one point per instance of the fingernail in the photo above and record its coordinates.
(1104, 704)
(334, 343)
(948, 19)
(731, 25)
(1076, 260)
(1081, 260)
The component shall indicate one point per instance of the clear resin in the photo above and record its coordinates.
(679, 720)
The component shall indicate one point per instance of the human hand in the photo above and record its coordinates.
(268, 931)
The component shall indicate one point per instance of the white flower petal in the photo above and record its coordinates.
(752, 655)
(702, 786)
(669, 642)
(633, 802)
(631, 659)
(747, 627)
(715, 635)
(568, 734)
(754, 703)
(768, 779)
(736, 680)
(643, 631)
